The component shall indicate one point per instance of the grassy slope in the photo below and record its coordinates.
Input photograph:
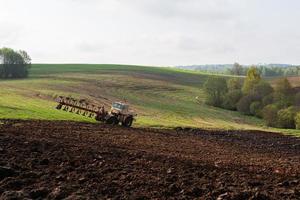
(161, 96)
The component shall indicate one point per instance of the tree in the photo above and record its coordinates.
(286, 117)
(284, 87)
(244, 103)
(255, 108)
(253, 78)
(234, 84)
(231, 99)
(270, 115)
(269, 99)
(215, 88)
(14, 64)
(283, 93)
(261, 89)
(237, 69)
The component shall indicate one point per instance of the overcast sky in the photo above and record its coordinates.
(153, 32)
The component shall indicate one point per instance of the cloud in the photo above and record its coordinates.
(92, 47)
(9, 34)
(200, 10)
(152, 32)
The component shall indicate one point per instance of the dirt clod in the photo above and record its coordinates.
(6, 172)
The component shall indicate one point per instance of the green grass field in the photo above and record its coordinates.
(162, 97)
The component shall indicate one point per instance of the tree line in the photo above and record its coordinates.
(278, 106)
(265, 70)
(14, 64)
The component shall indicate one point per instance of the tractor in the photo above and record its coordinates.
(119, 112)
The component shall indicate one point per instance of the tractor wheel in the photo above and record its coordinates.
(127, 122)
(112, 120)
(100, 118)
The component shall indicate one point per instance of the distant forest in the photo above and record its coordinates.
(266, 70)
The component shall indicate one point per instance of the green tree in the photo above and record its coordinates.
(261, 89)
(269, 99)
(234, 84)
(283, 86)
(255, 108)
(231, 99)
(270, 115)
(14, 64)
(243, 106)
(286, 117)
(215, 88)
(283, 95)
(253, 78)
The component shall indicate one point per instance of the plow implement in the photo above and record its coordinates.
(119, 112)
(81, 107)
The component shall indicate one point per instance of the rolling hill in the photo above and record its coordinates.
(162, 97)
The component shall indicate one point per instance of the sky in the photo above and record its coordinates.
(153, 32)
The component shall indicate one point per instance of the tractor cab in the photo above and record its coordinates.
(119, 107)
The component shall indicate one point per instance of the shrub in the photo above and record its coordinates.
(286, 117)
(269, 99)
(231, 99)
(244, 103)
(283, 102)
(269, 114)
(215, 88)
(297, 120)
(255, 108)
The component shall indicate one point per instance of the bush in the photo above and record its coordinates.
(244, 103)
(215, 88)
(297, 120)
(231, 99)
(255, 108)
(286, 117)
(283, 103)
(270, 115)
(269, 99)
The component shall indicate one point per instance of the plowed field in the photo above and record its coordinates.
(55, 160)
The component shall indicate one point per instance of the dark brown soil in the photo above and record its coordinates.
(55, 160)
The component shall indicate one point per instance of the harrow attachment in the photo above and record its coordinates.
(81, 107)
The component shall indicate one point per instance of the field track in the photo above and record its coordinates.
(60, 159)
